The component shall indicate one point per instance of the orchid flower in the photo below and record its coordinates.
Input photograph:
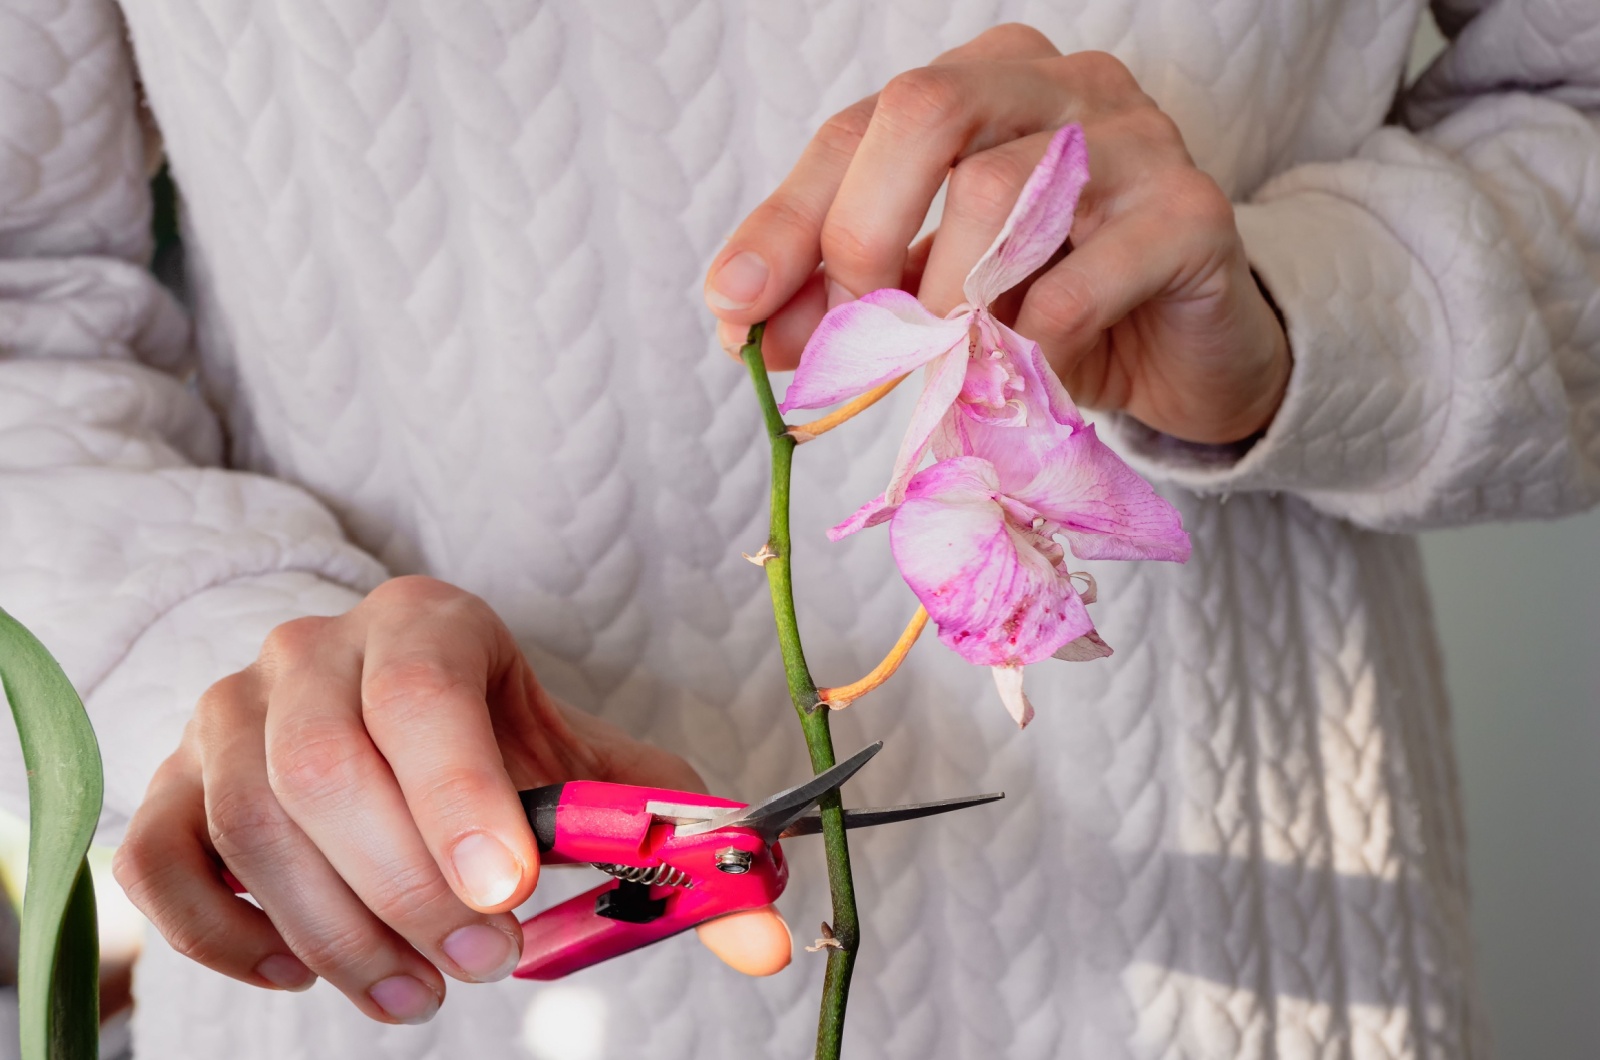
(972, 359)
(976, 540)
(1017, 466)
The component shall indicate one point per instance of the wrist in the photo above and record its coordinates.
(1258, 415)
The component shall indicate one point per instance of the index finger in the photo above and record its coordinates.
(778, 247)
(424, 700)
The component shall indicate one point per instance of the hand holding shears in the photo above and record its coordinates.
(678, 858)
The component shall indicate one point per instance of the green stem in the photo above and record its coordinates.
(813, 714)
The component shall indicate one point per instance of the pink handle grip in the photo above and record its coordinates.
(569, 937)
(689, 879)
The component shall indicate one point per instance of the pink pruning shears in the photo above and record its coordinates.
(679, 859)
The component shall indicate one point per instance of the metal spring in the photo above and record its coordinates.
(665, 875)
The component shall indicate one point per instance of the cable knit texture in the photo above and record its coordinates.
(444, 265)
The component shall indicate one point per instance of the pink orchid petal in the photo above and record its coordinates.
(862, 344)
(996, 599)
(1040, 382)
(1086, 648)
(1103, 507)
(1039, 222)
(875, 511)
(939, 392)
(1008, 679)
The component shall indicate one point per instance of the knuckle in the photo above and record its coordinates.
(196, 935)
(1020, 38)
(1153, 124)
(147, 873)
(458, 795)
(1199, 201)
(414, 591)
(841, 134)
(337, 946)
(986, 185)
(137, 867)
(850, 249)
(786, 218)
(413, 894)
(315, 762)
(295, 639)
(1063, 304)
(417, 593)
(228, 689)
(409, 686)
(245, 822)
(217, 711)
(922, 99)
(1103, 71)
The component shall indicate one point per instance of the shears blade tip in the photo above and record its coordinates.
(811, 823)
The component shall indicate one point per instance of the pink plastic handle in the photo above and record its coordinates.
(609, 823)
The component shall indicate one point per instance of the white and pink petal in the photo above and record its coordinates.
(939, 391)
(1008, 680)
(1102, 506)
(996, 599)
(877, 510)
(1086, 648)
(867, 342)
(1039, 222)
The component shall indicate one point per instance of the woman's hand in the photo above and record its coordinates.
(1153, 311)
(360, 779)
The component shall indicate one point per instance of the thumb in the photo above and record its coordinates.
(755, 942)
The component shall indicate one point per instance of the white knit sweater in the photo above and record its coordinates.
(444, 265)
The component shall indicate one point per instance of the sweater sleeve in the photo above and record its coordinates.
(1441, 293)
(148, 569)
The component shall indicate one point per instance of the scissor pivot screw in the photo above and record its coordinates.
(733, 861)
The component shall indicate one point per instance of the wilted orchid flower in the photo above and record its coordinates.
(973, 360)
(976, 540)
(976, 534)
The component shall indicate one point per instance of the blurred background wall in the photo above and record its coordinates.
(1518, 609)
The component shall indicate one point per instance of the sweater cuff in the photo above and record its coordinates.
(1354, 411)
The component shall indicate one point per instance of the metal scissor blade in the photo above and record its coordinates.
(772, 815)
(811, 823)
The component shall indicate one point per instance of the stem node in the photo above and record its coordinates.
(762, 558)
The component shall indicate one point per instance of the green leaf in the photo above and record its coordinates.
(59, 958)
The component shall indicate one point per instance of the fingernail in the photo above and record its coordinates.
(739, 282)
(731, 337)
(286, 972)
(485, 953)
(486, 869)
(837, 295)
(405, 999)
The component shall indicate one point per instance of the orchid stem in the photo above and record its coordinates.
(813, 719)
(804, 432)
(844, 695)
